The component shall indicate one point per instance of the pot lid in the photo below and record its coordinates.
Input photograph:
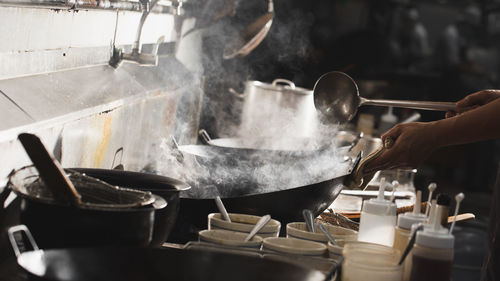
(282, 85)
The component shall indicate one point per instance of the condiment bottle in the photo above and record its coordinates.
(403, 231)
(378, 219)
(432, 255)
(443, 202)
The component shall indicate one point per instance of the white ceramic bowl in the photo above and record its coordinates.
(299, 230)
(334, 251)
(294, 246)
(229, 238)
(243, 223)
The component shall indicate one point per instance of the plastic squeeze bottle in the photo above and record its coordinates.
(378, 219)
(432, 255)
(403, 231)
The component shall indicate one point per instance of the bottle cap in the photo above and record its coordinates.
(406, 220)
(380, 206)
(434, 235)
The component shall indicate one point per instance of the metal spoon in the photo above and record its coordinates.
(309, 219)
(258, 226)
(328, 235)
(336, 95)
(250, 37)
(222, 209)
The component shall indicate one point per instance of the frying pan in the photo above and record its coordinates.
(144, 264)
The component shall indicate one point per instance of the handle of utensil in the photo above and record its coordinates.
(327, 234)
(17, 245)
(49, 169)
(309, 218)
(222, 209)
(260, 224)
(204, 136)
(410, 244)
(425, 105)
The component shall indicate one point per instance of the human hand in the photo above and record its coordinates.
(474, 100)
(413, 143)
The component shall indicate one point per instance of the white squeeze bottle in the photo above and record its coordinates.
(378, 219)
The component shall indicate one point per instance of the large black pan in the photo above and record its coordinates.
(283, 205)
(153, 264)
(167, 188)
(59, 225)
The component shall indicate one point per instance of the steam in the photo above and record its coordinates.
(225, 172)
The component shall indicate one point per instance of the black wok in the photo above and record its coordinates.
(60, 225)
(283, 205)
(167, 188)
(144, 264)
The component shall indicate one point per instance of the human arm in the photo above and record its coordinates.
(414, 142)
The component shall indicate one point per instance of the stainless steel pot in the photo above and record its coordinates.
(279, 107)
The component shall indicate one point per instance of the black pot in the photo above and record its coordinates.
(59, 225)
(167, 188)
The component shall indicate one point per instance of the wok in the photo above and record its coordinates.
(284, 202)
(123, 264)
(59, 225)
(167, 188)
(265, 148)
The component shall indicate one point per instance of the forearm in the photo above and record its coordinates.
(480, 124)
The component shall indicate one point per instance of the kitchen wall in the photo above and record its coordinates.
(55, 82)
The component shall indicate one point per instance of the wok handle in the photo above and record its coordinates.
(358, 178)
(17, 244)
(204, 136)
(425, 105)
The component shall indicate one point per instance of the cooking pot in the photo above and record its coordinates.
(276, 107)
(151, 264)
(59, 225)
(167, 188)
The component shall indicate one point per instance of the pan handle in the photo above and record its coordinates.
(284, 81)
(17, 242)
(358, 178)
(204, 136)
(180, 155)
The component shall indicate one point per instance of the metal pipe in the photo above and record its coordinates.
(165, 7)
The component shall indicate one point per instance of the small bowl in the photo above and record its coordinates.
(294, 246)
(243, 223)
(334, 251)
(299, 230)
(229, 238)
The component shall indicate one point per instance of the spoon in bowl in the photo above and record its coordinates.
(222, 209)
(327, 234)
(309, 219)
(258, 226)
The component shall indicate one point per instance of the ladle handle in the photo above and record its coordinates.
(425, 105)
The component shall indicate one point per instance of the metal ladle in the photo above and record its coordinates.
(250, 37)
(336, 96)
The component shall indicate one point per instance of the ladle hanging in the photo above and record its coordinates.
(336, 96)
